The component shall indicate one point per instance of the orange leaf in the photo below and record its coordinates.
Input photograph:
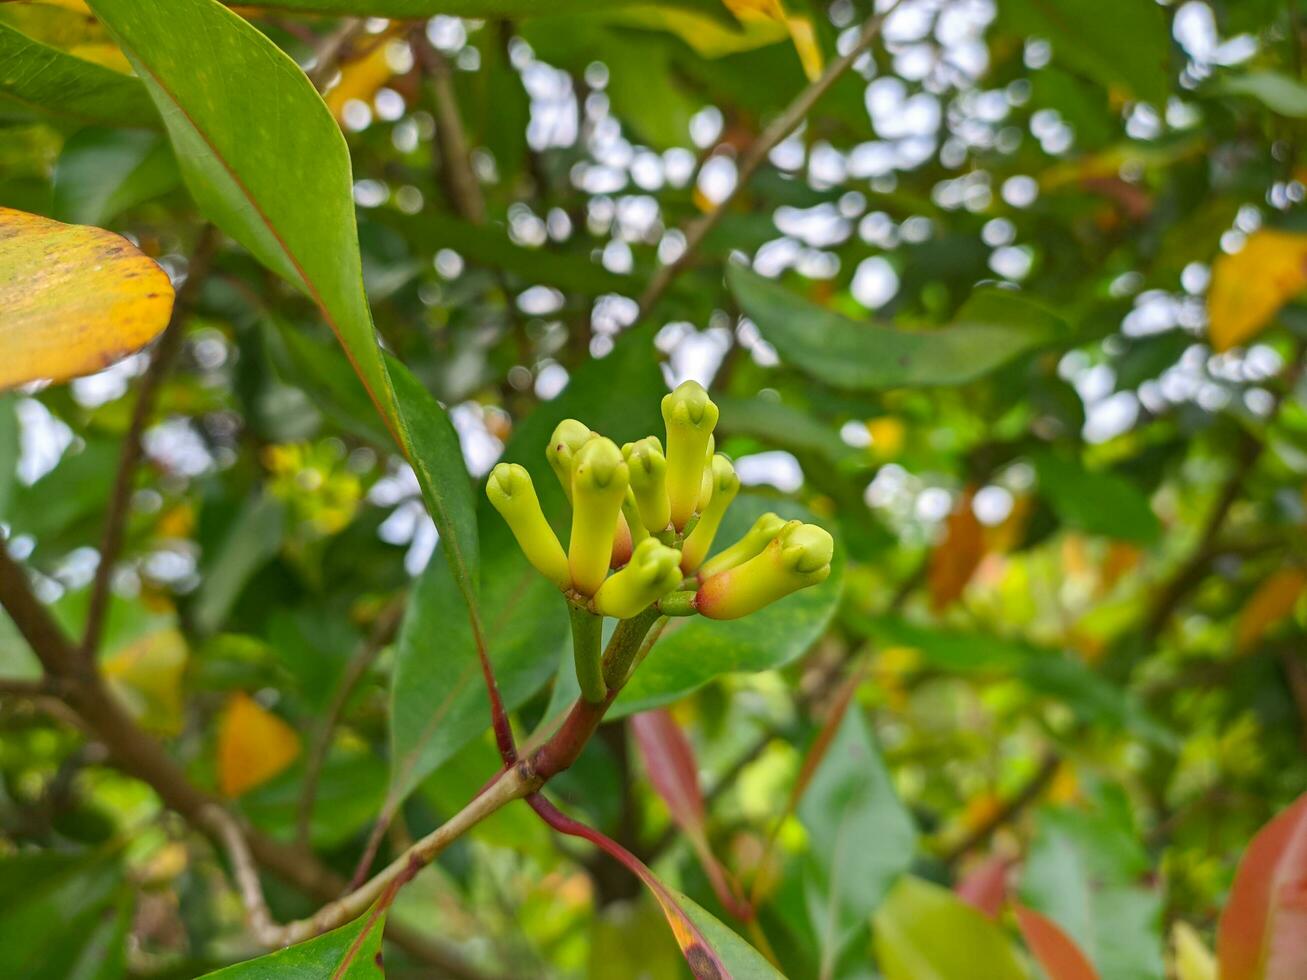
(254, 745)
(1056, 952)
(74, 299)
(956, 558)
(1250, 286)
(1263, 930)
(1272, 602)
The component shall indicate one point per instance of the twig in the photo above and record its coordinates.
(383, 631)
(1026, 795)
(753, 158)
(456, 175)
(326, 59)
(509, 786)
(1295, 672)
(120, 498)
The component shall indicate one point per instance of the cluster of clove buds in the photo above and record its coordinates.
(653, 515)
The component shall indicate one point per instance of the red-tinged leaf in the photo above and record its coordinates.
(1263, 930)
(1056, 952)
(985, 887)
(669, 761)
(712, 951)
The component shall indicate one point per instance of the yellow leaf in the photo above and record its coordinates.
(956, 558)
(1273, 600)
(1193, 960)
(887, 436)
(254, 745)
(799, 28)
(74, 299)
(361, 79)
(147, 676)
(1250, 286)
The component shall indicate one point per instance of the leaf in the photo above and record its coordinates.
(438, 702)
(1082, 872)
(103, 172)
(44, 78)
(1249, 287)
(147, 674)
(352, 952)
(672, 769)
(1117, 42)
(985, 886)
(1095, 501)
(1273, 600)
(1193, 960)
(957, 556)
(251, 540)
(65, 914)
(925, 932)
(1262, 934)
(285, 192)
(407, 9)
(75, 299)
(775, 423)
(990, 329)
(1053, 948)
(848, 804)
(694, 651)
(1277, 92)
(361, 78)
(254, 745)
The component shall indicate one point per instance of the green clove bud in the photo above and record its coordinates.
(764, 529)
(599, 481)
(690, 417)
(653, 571)
(798, 557)
(725, 485)
(648, 469)
(513, 494)
(568, 438)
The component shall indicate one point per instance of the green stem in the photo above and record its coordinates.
(587, 634)
(624, 647)
(677, 604)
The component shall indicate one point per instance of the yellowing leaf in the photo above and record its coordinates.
(800, 29)
(74, 299)
(887, 436)
(1250, 286)
(147, 676)
(1193, 960)
(1273, 600)
(360, 79)
(956, 558)
(254, 745)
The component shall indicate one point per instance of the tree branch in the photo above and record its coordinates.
(120, 498)
(1026, 795)
(753, 158)
(457, 177)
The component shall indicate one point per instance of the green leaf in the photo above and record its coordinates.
(1277, 92)
(849, 804)
(490, 246)
(352, 952)
(695, 650)
(775, 423)
(1116, 42)
(285, 192)
(438, 700)
(64, 916)
(1083, 872)
(251, 541)
(103, 172)
(350, 791)
(404, 9)
(1095, 501)
(742, 960)
(43, 78)
(992, 327)
(925, 932)
(1052, 673)
(10, 449)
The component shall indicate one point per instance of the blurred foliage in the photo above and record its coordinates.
(1016, 312)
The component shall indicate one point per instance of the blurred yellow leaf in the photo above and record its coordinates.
(1272, 602)
(800, 29)
(1193, 960)
(361, 79)
(956, 558)
(147, 676)
(1250, 286)
(254, 745)
(74, 299)
(887, 436)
